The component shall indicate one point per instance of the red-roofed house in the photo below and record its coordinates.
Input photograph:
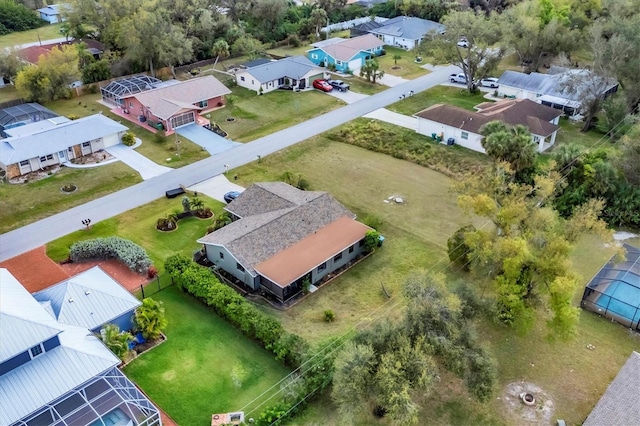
(464, 126)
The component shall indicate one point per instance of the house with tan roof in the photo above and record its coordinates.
(346, 54)
(283, 237)
(169, 106)
(464, 127)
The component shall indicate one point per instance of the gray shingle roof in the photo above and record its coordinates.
(97, 299)
(287, 216)
(294, 67)
(58, 138)
(619, 405)
(408, 27)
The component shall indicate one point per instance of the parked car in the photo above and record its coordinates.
(463, 42)
(489, 82)
(339, 85)
(230, 196)
(322, 85)
(458, 78)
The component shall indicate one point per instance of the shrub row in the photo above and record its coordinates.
(131, 254)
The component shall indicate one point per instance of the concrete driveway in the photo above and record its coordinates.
(141, 164)
(391, 117)
(216, 187)
(391, 80)
(207, 139)
(348, 97)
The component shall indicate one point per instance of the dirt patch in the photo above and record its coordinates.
(539, 413)
(35, 270)
(114, 268)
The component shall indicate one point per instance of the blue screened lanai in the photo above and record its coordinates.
(615, 290)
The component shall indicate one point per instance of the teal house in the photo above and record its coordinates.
(346, 54)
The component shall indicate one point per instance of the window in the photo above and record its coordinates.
(43, 159)
(202, 104)
(50, 157)
(337, 257)
(86, 144)
(24, 163)
(361, 243)
(314, 56)
(36, 350)
(240, 267)
(465, 135)
(130, 104)
(241, 78)
(351, 248)
(338, 62)
(221, 255)
(322, 267)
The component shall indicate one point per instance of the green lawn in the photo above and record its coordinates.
(190, 375)
(8, 93)
(257, 116)
(46, 32)
(405, 67)
(437, 95)
(21, 204)
(138, 225)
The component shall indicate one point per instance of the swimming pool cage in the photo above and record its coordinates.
(614, 291)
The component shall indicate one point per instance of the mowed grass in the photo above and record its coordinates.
(190, 375)
(138, 225)
(257, 116)
(437, 95)
(405, 67)
(46, 32)
(8, 93)
(21, 204)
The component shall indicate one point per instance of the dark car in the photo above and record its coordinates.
(322, 85)
(339, 85)
(230, 196)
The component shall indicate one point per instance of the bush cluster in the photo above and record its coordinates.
(131, 254)
(15, 16)
(128, 139)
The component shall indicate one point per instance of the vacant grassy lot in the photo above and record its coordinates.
(437, 95)
(258, 116)
(22, 204)
(8, 93)
(191, 374)
(46, 32)
(405, 66)
(138, 225)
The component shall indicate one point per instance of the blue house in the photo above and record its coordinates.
(54, 13)
(346, 54)
(55, 373)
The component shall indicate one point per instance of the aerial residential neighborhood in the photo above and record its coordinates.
(369, 212)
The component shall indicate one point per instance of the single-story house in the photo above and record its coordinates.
(296, 72)
(283, 237)
(91, 300)
(464, 126)
(552, 89)
(57, 373)
(55, 141)
(31, 55)
(177, 104)
(346, 54)
(402, 31)
(54, 13)
(619, 404)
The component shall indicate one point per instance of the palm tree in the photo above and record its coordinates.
(220, 48)
(318, 18)
(197, 204)
(371, 70)
(396, 58)
(150, 319)
(116, 341)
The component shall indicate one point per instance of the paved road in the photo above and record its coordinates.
(36, 234)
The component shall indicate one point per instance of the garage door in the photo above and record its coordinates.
(183, 119)
(355, 65)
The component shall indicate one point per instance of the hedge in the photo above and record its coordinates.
(129, 253)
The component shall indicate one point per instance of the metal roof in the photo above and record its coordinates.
(411, 28)
(619, 404)
(58, 138)
(89, 299)
(30, 111)
(295, 67)
(130, 86)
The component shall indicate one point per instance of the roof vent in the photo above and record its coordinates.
(71, 300)
(87, 292)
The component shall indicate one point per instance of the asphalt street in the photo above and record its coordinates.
(39, 233)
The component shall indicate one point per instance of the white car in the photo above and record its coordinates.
(463, 42)
(489, 82)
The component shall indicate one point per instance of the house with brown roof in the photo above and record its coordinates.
(619, 404)
(346, 54)
(464, 127)
(283, 237)
(177, 104)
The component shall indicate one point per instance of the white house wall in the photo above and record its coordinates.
(428, 127)
(518, 93)
(405, 43)
(110, 140)
(228, 263)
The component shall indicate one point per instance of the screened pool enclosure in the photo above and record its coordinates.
(615, 290)
(117, 90)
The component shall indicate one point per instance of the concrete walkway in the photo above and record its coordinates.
(391, 117)
(207, 139)
(39, 233)
(216, 187)
(141, 164)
